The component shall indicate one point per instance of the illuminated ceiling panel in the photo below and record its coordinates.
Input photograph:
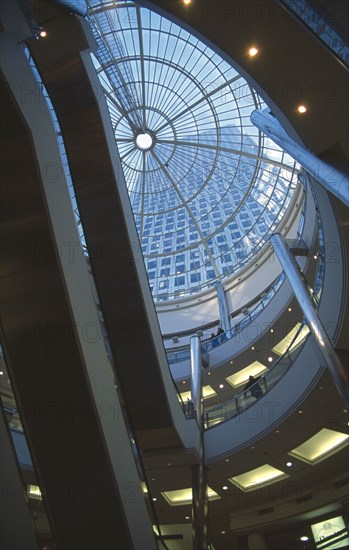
(207, 391)
(241, 377)
(206, 187)
(182, 497)
(282, 346)
(34, 492)
(259, 477)
(322, 445)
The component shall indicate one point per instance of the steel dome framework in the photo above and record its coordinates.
(206, 187)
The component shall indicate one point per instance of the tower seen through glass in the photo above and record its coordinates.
(206, 187)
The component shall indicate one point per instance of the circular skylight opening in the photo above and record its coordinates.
(211, 188)
(144, 141)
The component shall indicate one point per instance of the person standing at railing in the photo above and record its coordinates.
(214, 341)
(255, 389)
(221, 332)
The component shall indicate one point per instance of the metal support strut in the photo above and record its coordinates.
(326, 174)
(222, 304)
(199, 500)
(296, 279)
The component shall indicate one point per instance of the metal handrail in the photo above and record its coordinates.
(238, 403)
(289, 355)
(209, 344)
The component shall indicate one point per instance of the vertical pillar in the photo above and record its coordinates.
(301, 293)
(329, 177)
(199, 507)
(223, 307)
(199, 498)
(196, 376)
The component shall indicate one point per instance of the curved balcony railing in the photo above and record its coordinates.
(211, 343)
(241, 401)
(183, 354)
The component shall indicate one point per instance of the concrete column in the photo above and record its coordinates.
(302, 295)
(331, 178)
(223, 307)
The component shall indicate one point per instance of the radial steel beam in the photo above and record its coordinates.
(300, 289)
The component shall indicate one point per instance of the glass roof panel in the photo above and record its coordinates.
(208, 188)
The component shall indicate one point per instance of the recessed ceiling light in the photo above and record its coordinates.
(43, 34)
(304, 538)
(252, 348)
(302, 109)
(300, 412)
(184, 497)
(207, 392)
(34, 492)
(169, 464)
(315, 257)
(277, 431)
(270, 359)
(261, 476)
(289, 464)
(221, 386)
(223, 532)
(186, 2)
(320, 446)
(183, 382)
(252, 52)
(209, 373)
(1, 373)
(241, 377)
(187, 517)
(225, 488)
(289, 309)
(231, 362)
(292, 340)
(154, 499)
(271, 330)
(227, 459)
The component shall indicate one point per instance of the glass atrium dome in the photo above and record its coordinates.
(206, 187)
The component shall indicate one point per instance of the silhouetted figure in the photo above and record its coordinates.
(190, 408)
(256, 391)
(214, 341)
(221, 334)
